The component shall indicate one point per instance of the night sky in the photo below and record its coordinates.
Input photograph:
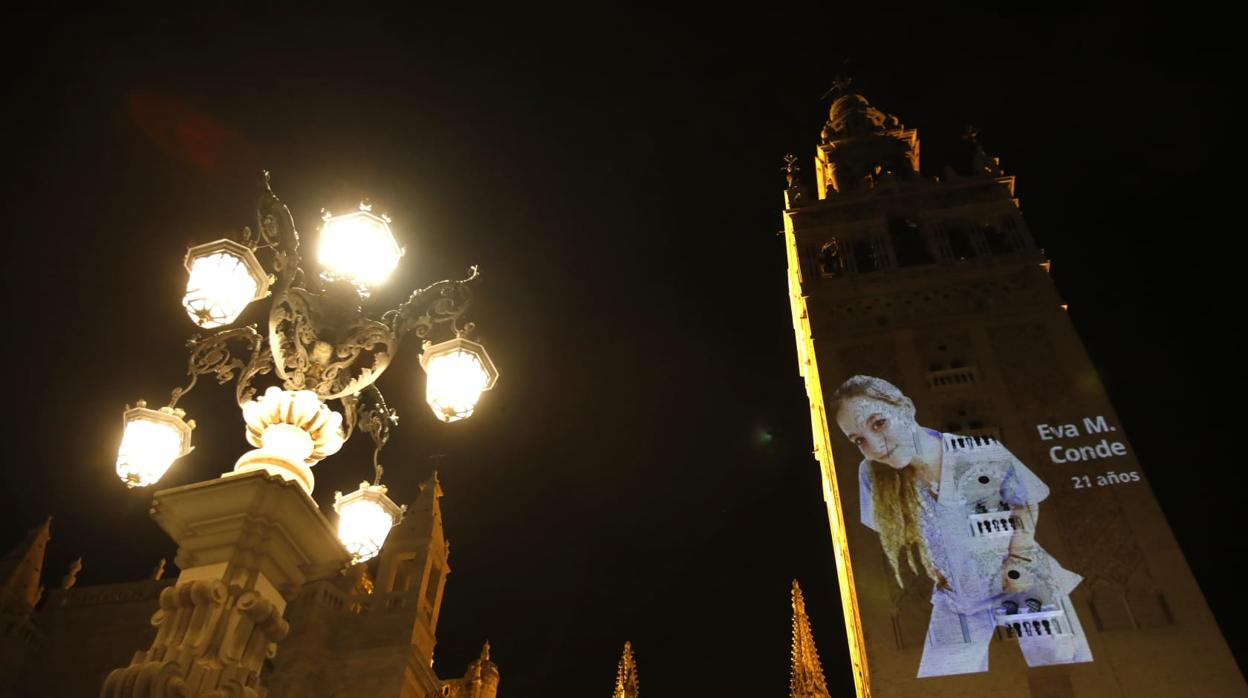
(642, 470)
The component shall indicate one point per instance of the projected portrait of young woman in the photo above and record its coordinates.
(961, 511)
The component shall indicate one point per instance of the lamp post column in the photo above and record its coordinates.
(246, 544)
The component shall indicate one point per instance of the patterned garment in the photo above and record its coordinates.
(969, 521)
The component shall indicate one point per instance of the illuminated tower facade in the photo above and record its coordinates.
(993, 531)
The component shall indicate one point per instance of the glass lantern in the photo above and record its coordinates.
(457, 371)
(151, 442)
(224, 277)
(365, 518)
(358, 247)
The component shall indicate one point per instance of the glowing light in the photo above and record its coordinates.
(365, 518)
(224, 277)
(151, 442)
(457, 372)
(358, 247)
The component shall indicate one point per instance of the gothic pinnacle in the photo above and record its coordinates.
(626, 685)
(806, 677)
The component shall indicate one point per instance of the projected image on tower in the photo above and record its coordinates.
(960, 511)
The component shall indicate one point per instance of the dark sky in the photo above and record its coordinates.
(642, 470)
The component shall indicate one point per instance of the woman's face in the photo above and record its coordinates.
(882, 431)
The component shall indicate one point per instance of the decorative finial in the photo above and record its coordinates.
(159, 570)
(71, 578)
(806, 676)
(840, 84)
(485, 651)
(434, 482)
(790, 169)
(971, 133)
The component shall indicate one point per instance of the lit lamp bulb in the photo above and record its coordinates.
(151, 442)
(358, 247)
(224, 277)
(457, 371)
(365, 518)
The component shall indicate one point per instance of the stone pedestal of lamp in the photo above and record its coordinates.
(246, 544)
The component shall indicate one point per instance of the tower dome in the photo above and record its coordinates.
(852, 115)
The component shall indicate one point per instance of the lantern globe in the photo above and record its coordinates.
(457, 371)
(365, 518)
(224, 276)
(151, 441)
(358, 247)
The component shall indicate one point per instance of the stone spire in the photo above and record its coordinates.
(806, 678)
(482, 666)
(626, 675)
(21, 571)
(424, 517)
(481, 679)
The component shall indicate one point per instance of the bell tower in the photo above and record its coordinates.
(414, 561)
(933, 292)
(374, 635)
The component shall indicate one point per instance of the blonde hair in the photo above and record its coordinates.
(894, 492)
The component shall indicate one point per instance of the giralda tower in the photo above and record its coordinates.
(994, 533)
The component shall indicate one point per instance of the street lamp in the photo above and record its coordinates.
(321, 345)
(365, 518)
(224, 277)
(457, 371)
(358, 247)
(151, 441)
(249, 540)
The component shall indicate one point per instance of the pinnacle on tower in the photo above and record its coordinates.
(21, 571)
(806, 677)
(626, 685)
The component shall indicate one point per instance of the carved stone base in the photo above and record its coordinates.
(246, 545)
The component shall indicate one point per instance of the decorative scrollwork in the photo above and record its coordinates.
(261, 363)
(291, 332)
(211, 354)
(435, 304)
(375, 419)
(320, 345)
(276, 231)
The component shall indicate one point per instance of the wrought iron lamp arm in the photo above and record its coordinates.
(438, 303)
(276, 231)
(212, 354)
(376, 418)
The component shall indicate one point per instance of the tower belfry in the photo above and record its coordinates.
(806, 676)
(992, 530)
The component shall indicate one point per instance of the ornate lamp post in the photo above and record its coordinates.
(249, 540)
